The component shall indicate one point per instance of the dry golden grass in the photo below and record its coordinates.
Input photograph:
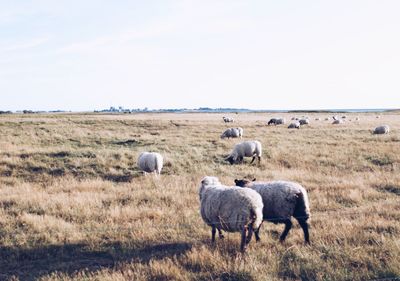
(73, 205)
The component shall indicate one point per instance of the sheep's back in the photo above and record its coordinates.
(230, 208)
(280, 198)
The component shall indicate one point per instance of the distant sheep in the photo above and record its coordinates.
(294, 125)
(335, 117)
(245, 149)
(232, 133)
(227, 119)
(230, 208)
(282, 200)
(276, 121)
(304, 121)
(149, 162)
(338, 121)
(317, 119)
(384, 129)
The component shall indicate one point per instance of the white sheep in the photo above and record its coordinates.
(232, 133)
(150, 162)
(304, 121)
(384, 129)
(230, 208)
(294, 125)
(245, 149)
(277, 121)
(338, 121)
(227, 119)
(282, 200)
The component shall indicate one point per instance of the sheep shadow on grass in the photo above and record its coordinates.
(33, 263)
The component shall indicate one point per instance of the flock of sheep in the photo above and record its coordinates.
(243, 207)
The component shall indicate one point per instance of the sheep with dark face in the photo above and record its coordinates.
(228, 119)
(282, 200)
(232, 133)
(384, 129)
(294, 125)
(276, 121)
(230, 208)
(245, 149)
(338, 121)
(304, 121)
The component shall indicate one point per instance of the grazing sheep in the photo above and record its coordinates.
(227, 119)
(357, 119)
(317, 119)
(230, 208)
(282, 200)
(245, 149)
(232, 133)
(338, 121)
(294, 125)
(150, 162)
(344, 117)
(276, 121)
(304, 121)
(384, 129)
(335, 117)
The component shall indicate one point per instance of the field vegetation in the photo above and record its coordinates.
(74, 206)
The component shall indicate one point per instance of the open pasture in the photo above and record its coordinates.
(74, 206)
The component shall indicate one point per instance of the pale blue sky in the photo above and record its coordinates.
(85, 55)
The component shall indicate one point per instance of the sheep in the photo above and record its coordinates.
(294, 125)
(230, 208)
(276, 121)
(317, 119)
(304, 121)
(227, 119)
(282, 200)
(338, 121)
(357, 118)
(326, 119)
(245, 149)
(232, 133)
(335, 117)
(150, 162)
(384, 129)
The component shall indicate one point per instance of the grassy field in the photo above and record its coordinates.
(73, 205)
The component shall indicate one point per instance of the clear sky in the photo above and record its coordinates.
(266, 54)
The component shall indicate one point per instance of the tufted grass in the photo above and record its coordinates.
(73, 205)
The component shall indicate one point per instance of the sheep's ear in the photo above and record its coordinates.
(254, 179)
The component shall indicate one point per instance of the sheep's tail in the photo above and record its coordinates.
(159, 164)
(302, 208)
(256, 217)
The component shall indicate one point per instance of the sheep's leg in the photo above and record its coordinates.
(220, 234)
(243, 241)
(256, 233)
(249, 234)
(213, 231)
(259, 159)
(252, 160)
(288, 226)
(304, 225)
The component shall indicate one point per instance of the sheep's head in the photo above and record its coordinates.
(243, 182)
(231, 159)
